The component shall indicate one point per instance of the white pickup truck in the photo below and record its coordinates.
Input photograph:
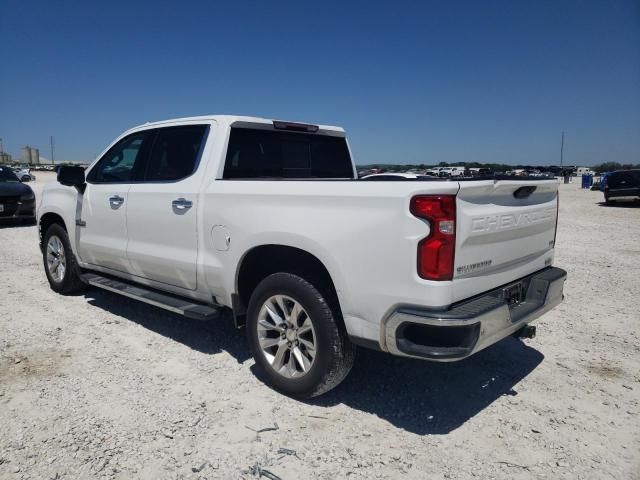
(267, 220)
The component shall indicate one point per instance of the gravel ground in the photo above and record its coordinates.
(99, 386)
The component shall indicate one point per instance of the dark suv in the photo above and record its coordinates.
(622, 185)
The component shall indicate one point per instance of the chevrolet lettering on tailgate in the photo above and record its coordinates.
(510, 221)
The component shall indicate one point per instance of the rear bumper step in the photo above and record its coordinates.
(188, 308)
(469, 326)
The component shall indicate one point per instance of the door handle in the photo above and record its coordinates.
(182, 204)
(116, 201)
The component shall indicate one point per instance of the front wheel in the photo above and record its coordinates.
(295, 337)
(60, 263)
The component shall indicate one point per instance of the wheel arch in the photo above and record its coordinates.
(263, 260)
(45, 221)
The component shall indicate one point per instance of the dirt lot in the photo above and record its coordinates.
(99, 386)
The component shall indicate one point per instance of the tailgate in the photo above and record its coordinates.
(506, 230)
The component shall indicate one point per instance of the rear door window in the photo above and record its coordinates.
(257, 153)
(175, 153)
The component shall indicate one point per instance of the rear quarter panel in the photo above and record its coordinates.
(362, 232)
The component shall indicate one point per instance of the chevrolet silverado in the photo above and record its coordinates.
(267, 221)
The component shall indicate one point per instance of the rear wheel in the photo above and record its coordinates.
(59, 262)
(295, 337)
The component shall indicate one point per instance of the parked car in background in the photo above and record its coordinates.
(24, 174)
(265, 220)
(622, 185)
(435, 171)
(17, 200)
(452, 172)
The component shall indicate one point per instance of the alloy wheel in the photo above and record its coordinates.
(56, 258)
(286, 336)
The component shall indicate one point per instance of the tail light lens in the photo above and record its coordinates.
(436, 252)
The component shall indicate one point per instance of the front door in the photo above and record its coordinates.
(162, 208)
(102, 230)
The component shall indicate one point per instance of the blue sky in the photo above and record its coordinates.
(412, 82)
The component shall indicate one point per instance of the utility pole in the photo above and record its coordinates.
(562, 149)
(51, 140)
(1, 148)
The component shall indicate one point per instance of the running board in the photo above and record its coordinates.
(188, 308)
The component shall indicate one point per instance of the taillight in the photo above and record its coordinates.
(436, 252)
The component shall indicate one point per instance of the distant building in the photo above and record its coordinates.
(30, 155)
(584, 170)
(5, 158)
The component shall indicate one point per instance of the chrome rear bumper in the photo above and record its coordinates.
(471, 325)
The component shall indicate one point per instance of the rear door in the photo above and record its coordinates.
(102, 235)
(506, 230)
(162, 209)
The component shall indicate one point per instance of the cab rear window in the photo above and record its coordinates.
(258, 153)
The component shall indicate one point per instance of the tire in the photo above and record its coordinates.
(66, 281)
(334, 353)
